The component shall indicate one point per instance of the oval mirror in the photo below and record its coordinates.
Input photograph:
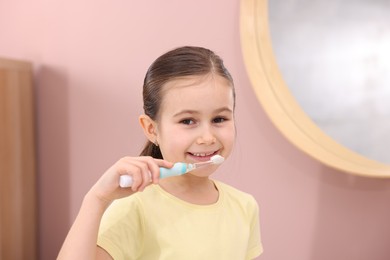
(280, 105)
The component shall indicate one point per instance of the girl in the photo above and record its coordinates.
(189, 102)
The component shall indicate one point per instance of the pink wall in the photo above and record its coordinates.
(90, 59)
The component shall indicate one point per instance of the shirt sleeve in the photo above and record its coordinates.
(120, 231)
(255, 247)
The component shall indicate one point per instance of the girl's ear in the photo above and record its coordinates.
(149, 126)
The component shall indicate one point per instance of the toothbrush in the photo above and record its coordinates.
(178, 168)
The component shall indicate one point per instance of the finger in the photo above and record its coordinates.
(164, 163)
(125, 169)
(142, 174)
(152, 168)
(147, 180)
(137, 178)
(154, 165)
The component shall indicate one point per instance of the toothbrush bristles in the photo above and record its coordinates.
(217, 159)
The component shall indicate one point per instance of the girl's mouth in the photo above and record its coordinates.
(201, 157)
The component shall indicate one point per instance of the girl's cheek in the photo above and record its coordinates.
(229, 133)
(175, 142)
(229, 138)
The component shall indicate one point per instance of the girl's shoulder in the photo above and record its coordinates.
(235, 195)
(133, 202)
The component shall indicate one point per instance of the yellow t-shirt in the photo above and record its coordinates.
(154, 224)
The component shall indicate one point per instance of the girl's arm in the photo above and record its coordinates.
(81, 240)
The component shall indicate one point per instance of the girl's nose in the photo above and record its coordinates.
(206, 137)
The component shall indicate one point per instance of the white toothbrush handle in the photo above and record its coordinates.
(125, 181)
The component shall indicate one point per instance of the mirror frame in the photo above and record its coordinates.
(281, 106)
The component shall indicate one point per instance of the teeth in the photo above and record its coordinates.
(202, 154)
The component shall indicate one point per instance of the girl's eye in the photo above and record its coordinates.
(219, 120)
(187, 121)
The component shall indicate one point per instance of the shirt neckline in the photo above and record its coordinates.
(192, 205)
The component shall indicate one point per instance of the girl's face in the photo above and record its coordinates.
(196, 120)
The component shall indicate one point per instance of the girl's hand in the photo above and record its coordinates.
(144, 171)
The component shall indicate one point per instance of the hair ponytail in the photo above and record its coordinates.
(150, 149)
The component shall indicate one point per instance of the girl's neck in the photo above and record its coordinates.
(195, 190)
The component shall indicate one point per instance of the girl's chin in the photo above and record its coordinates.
(199, 176)
(206, 171)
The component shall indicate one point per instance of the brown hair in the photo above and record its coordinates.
(180, 62)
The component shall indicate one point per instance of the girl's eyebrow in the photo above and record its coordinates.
(195, 112)
(224, 109)
(186, 111)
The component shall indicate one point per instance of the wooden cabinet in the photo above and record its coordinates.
(18, 197)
